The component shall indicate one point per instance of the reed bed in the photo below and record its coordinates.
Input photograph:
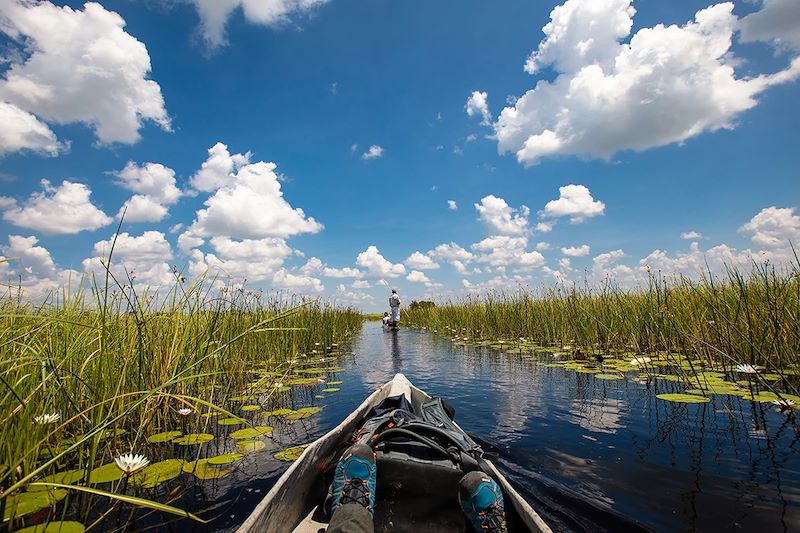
(740, 318)
(112, 365)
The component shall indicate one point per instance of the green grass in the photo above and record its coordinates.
(751, 318)
(116, 366)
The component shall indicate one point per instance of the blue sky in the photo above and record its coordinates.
(623, 136)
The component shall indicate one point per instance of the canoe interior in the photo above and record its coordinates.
(416, 491)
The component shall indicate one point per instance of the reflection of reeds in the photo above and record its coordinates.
(119, 366)
(740, 319)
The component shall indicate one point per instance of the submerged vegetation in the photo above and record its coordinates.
(736, 335)
(107, 397)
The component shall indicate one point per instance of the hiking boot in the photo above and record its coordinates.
(354, 481)
(482, 502)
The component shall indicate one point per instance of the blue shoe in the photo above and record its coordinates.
(482, 502)
(354, 481)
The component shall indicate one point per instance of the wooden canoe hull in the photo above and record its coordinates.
(289, 506)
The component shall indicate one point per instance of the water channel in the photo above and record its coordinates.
(589, 454)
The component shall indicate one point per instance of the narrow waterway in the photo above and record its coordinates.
(589, 454)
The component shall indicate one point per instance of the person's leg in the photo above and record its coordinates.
(351, 518)
(482, 502)
(353, 491)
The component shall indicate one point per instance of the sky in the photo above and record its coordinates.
(340, 148)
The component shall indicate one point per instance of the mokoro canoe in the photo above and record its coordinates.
(414, 493)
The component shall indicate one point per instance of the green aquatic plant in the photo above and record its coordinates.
(290, 454)
(250, 445)
(683, 398)
(155, 474)
(193, 439)
(251, 432)
(60, 526)
(165, 436)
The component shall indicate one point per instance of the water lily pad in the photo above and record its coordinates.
(305, 412)
(683, 398)
(203, 470)
(193, 438)
(608, 376)
(156, 473)
(231, 421)
(164, 437)
(24, 503)
(67, 526)
(67, 477)
(583, 370)
(290, 454)
(331, 389)
(334, 383)
(250, 407)
(225, 459)
(249, 433)
(106, 474)
(281, 412)
(250, 445)
(303, 381)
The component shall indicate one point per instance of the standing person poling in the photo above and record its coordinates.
(394, 305)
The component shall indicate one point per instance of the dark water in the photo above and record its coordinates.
(588, 454)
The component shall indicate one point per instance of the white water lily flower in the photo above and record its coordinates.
(47, 418)
(277, 384)
(185, 411)
(130, 463)
(640, 360)
(785, 404)
(746, 369)
(316, 344)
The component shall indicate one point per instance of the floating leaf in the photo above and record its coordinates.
(683, 398)
(225, 459)
(305, 412)
(156, 473)
(203, 470)
(281, 412)
(67, 477)
(24, 503)
(290, 454)
(250, 445)
(608, 376)
(249, 433)
(193, 438)
(334, 383)
(106, 473)
(231, 421)
(250, 407)
(67, 526)
(331, 389)
(164, 437)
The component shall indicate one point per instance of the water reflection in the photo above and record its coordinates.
(582, 450)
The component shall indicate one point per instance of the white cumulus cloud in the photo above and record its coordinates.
(666, 85)
(79, 67)
(58, 210)
(774, 227)
(375, 151)
(155, 185)
(477, 104)
(246, 259)
(502, 218)
(248, 204)
(378, 266)
(214, 14)
(145, 258)
(507, 251)
(33, 267)
(576, 251)
(777, 22)
(419, 261)
(452, 205)
(576, 202)
(417, 277)
(691, 235)
(20, 130)
(284, 279)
